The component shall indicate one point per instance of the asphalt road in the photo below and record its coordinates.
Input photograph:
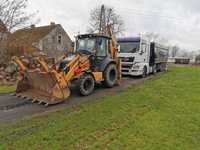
(14, 109)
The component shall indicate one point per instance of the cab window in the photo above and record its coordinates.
(144, 47)
(103, 47)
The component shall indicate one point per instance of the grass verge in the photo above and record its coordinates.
(7, 89)
(160, 115)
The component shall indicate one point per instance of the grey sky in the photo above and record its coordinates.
(176, 20)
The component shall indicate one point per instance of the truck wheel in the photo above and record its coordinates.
(110, 76)
(144, 74)
(154, 70)
(86, 85)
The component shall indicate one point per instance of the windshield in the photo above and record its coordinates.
(129, 47)
(87, 44)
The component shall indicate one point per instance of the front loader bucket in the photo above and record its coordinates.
(41, 87)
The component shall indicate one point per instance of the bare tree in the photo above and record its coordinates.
(174, 51)
(109, 17)
(13, 13)
(156, 37)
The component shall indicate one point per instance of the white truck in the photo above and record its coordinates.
(141, 57)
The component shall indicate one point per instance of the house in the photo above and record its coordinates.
(197, 59)
(51, 40)
(182, 60)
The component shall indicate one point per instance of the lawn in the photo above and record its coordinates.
(7, 89)
(162, 114)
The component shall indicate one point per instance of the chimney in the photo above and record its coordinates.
(32, 26)
(52, 23)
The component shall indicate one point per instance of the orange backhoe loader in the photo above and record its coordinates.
(94, 61)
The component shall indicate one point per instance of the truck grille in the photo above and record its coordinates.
(128, 59)
(126, 66)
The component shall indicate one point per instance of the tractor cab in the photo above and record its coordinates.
(97, 46)
(94, 44)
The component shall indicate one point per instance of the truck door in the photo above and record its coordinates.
(152, 55)
(143, 52)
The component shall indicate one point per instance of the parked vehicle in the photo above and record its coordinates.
(95, 61)
(182, 60)
(141, 57)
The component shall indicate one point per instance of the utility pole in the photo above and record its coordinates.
(102, 25)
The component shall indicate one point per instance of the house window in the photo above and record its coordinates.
(59, 39)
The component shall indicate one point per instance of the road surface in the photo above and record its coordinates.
(14, 109)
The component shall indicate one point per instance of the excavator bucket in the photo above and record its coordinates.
(41, 87)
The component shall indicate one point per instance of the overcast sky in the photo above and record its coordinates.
(176, 20)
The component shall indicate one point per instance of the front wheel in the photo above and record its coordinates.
(86, 84)
(144, 74)
(110, 76)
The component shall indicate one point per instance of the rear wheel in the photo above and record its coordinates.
(154, 70)
(86, 84)
(110, 75)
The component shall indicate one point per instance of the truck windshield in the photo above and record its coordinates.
(129, 47)
(86, 44)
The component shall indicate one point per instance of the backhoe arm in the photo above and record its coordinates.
(19, 63)
(114, 45)
(77, 67)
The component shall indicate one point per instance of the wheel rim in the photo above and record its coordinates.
(113, 75)
(88, 85)
(144, 72)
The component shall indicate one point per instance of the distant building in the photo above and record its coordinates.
(182, 60)
(179, 60)
(197, 60)
(51, 40)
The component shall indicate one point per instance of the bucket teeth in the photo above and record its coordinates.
(40, 102)
(29, 99)
(24, 97)
(34, 100)
(13, 94)
(19, 96)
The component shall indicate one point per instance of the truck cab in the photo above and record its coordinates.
(141, 57)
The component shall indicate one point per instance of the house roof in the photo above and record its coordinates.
(30, 35)
(2, 27)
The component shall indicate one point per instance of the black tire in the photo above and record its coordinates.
(86, 84)
(110, 75)
(144, 74)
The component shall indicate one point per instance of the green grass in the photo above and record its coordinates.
(7, 89)
(162, 114)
